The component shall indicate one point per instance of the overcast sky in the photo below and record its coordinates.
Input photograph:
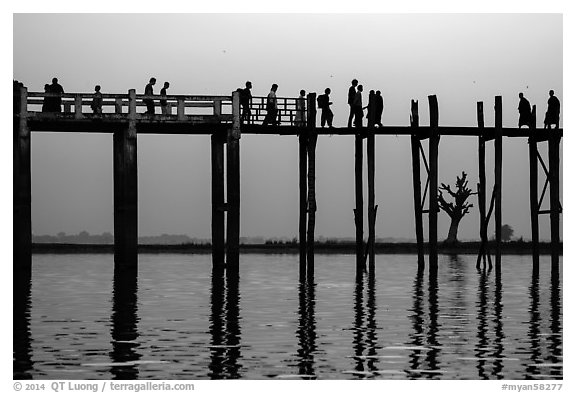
(462, 58)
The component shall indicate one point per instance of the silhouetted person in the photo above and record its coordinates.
(553, 112)
(371, 108)
(351, 97)
(148, 91)
(324, 104)
(379, 102)
(525, 112)
(46, 105)
(357, 107)
(245, 97)
(96, 100)
(271, 107)
(55, 88)
(300, 109)
(164, 103)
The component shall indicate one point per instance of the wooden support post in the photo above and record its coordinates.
(218, 206)
(370, 149)
(482, 186)
(78, 106)
(180, 109)
(534, 205)
(233, 191)
(126, 193)
(22, 185)
(554, 177)
(312, 139)
(416, 145)
(359, 210)
(433, 162)
(498, 180)
(302, 221)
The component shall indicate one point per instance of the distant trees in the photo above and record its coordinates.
(507, 231)
(457, 209)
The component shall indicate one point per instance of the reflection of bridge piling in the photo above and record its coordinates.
(123, 118)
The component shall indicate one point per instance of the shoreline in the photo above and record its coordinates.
(508, 248)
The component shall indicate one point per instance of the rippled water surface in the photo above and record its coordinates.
(75, 321)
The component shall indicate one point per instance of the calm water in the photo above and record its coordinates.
(176, 322)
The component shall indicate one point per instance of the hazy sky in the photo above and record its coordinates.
(462, 58)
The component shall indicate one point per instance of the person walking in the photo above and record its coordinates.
(164, 103)
(357, 107)
(553, 112)
(245, 97)
(351, 97)
(96, 101)
(299, 118)
(56, 102)
(149, 91)
(324, 103)
(525, 118)
(379, 109)
(271, 107)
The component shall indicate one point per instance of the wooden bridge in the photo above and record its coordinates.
(220, 116)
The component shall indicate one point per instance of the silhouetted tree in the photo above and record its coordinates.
(457, 209)
(507, 232)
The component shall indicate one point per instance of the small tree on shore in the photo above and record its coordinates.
(457, 209)
(507, 231)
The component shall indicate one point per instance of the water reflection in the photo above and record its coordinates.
(424, 337)
(365, 326)
(534, 326)
(555, 338)
(22, 350)
(125, 326)
(225, 327)
(490, 331)
(306, 332)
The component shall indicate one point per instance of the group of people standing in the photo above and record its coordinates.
(149, 91)
(54, 102)
(375, 106)
(552, 114)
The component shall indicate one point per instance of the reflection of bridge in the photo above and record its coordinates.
(123, 116)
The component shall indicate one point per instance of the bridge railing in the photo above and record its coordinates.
(288, 112)
(114, 106)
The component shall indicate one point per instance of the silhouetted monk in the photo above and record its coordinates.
(351, 97)
(55, 88)
(357, 107)
(96, 100)
(271, 107)
(371, 108)
(245, 97)
(553, 112)
(525, 112)
(300, 109)
(324, 104)
(164, 103)
(379, 109)
(148, 91)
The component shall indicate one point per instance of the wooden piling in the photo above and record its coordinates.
(359, 210)
(218, 205)
(417, 187)
(482, 185)
(22, 185)
(126, 193)
(302, 220)
(370, 151)
(554, 177)
(534, 204)
(433, 162)
(498, 180)
(233, 191)
(312, 140)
